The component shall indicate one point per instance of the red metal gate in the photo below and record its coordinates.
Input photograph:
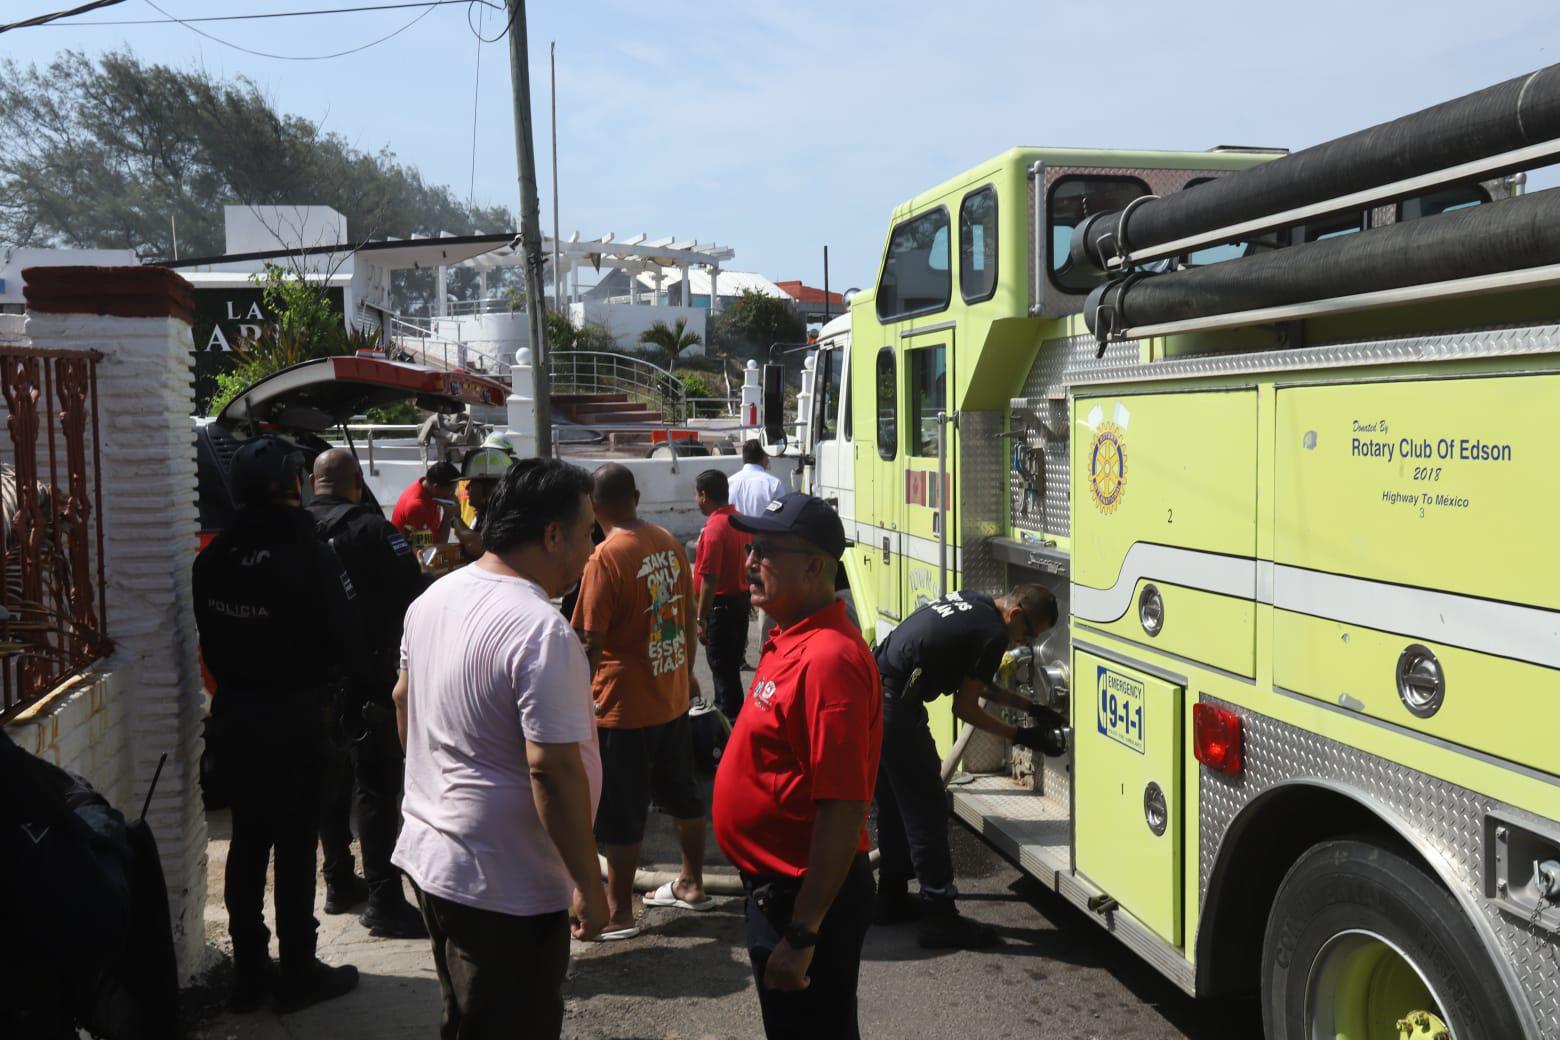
(52, 603)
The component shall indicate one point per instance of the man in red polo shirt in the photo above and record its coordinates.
(417, 512)
(792, 790)
(721, 590)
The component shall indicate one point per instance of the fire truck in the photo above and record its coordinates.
(1282, 434)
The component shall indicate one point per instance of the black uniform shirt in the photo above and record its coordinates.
(960, 636)
(379, 560)
(275, 609)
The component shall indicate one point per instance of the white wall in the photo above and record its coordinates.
(665, 494)
(626, 320)
(84, 727)
(258, 229)
(20, 259)
(145, 396)
(495, 337)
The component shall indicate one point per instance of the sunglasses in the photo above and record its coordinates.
(761, 551)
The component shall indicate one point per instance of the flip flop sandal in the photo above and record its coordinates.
(665, 896)
(619, 934)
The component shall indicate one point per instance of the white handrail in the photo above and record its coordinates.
(597, 371)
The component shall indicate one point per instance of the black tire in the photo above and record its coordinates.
(1351, 885)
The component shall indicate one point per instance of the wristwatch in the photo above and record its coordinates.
(799, 936)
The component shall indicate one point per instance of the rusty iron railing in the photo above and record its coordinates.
(53, 602)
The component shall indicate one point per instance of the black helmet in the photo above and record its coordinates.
(263, 469)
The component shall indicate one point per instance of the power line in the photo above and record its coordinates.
(45, 19)
(295, 57)
(170, 20)
(476, 93)
(478, 32)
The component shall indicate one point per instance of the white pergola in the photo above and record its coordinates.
(634, 256)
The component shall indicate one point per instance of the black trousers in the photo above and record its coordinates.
(912, 804)
(826, 1009)
(726, 643)
(275, 747)
(372, 768)
(500, 976)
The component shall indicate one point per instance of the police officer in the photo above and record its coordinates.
(278, 624)
(383, 569)
(950, 645)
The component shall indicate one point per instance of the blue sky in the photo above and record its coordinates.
(779, 128)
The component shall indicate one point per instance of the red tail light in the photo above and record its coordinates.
(1216, 738)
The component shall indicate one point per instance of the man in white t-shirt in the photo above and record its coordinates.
(753, 487)
(503, 771)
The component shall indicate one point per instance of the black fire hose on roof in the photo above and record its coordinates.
(1508, 235)
(1497, 119)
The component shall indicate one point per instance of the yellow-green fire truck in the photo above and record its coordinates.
(1282, 433)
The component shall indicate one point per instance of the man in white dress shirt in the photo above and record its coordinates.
(753, 487)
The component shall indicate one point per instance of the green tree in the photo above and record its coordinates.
(754, 322)
(667, 342)
(111, 153)
(304, 326)
(696, 386)
(563, 335)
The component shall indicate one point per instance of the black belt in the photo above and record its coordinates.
(792, 884)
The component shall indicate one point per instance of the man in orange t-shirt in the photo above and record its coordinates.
(635, 615)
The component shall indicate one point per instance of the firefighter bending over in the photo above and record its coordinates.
(951, 645)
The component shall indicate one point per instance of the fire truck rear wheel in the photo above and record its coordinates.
(1360, 939)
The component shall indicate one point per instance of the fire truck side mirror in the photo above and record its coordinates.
(774, 409)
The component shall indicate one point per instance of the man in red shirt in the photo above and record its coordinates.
(721, 589)
(417, 512)
(792, 790)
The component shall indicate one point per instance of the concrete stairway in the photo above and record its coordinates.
(607, 409)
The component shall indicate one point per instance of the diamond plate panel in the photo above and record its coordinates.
(982, 479)
(1122, 363)
(1451, 821)
(1042, 414)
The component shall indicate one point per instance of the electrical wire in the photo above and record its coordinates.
(280, 14)
(45, 19)
(296, 57)
(507, 25)
(476, 93)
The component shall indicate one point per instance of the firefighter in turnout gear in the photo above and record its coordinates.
(278, 627)
(951, 645)
(383, 569)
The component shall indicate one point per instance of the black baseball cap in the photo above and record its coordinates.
(798, 513)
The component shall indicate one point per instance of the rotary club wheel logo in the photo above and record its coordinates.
(1108, 467)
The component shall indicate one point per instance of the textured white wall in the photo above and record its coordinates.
(145, 397)
(83, 727)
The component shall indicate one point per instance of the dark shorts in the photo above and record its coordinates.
(639, 766)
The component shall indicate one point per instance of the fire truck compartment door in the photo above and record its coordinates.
(1165, 522)
(1127, 786)
(1415, 575)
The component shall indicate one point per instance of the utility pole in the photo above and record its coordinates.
(825, 285)
(552, 57)
(530, 234)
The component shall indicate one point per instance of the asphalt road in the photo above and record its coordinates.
(1057, 974)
